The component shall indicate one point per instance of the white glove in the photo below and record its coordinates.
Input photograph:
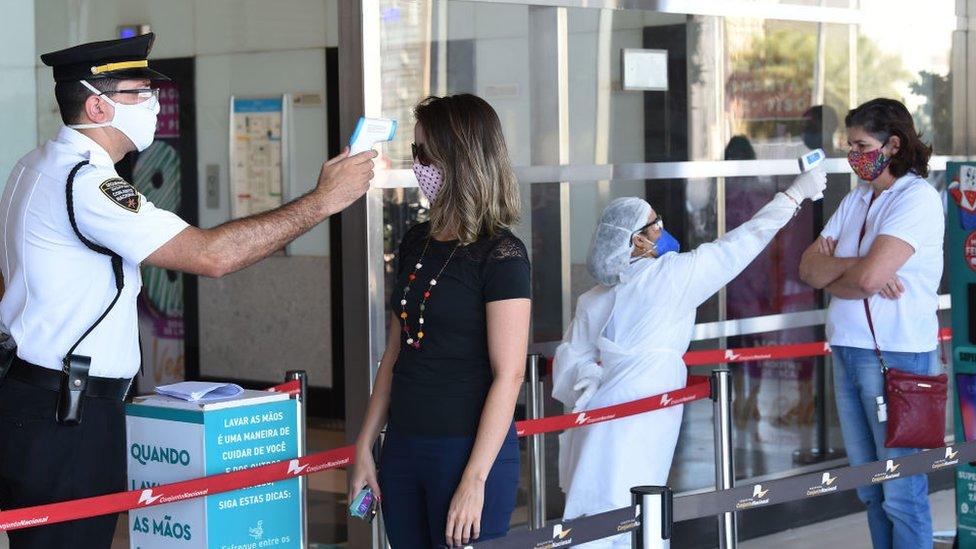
(587, 381)
(588, 385)
(809, 184)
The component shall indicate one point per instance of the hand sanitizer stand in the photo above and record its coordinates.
(169, 440)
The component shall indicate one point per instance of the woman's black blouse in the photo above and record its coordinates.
(440, 388)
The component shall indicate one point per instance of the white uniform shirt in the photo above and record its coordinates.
(910, 210)
(55, 286)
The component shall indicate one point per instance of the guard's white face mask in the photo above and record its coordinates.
(137, 122)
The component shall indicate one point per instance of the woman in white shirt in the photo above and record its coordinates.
(883, 245)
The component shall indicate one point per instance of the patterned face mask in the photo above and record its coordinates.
(868, 165)
(430, 178)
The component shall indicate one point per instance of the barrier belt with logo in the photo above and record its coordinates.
(699, 387)
(27, 517)
(751, 496)
(178, 491)
(755, 354)
(569, 533)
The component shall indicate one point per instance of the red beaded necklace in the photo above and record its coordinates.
(411, 340)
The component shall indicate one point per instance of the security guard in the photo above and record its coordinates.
(73, 237)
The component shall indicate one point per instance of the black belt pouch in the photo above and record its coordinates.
(74, 380)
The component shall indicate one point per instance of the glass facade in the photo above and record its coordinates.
(750, 85)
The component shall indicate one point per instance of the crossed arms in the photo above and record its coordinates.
(856, 277)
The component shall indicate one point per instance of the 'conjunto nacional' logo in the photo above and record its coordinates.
(890, 472)
(581, 419)
(826, 485)
(630, 524)
(294, 468)
(759, 497)
(560, 538)
(147, 497)
(951, 458)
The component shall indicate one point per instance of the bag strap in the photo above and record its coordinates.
(117, 271)
(867, 308)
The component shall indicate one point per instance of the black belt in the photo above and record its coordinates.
(98, 387)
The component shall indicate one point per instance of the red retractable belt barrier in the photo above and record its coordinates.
(771, 352)
(699, 387)
(177, 491)
(768, 352)
(292, 387)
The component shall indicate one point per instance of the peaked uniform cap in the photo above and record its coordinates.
(124, 58)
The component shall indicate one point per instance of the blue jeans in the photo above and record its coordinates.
(898, 510)
(418, 476)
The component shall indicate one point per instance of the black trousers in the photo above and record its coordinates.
(44, 462)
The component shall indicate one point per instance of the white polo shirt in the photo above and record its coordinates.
(911, 210)
(55, 286)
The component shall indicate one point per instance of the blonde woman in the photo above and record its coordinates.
(448, 381)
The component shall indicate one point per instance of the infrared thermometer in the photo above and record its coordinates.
(810, 161)
(369, 132)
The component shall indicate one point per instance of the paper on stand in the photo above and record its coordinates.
(200, 391)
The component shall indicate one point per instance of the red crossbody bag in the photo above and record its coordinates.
(916, 403)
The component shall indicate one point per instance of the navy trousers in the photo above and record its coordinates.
(418, 477)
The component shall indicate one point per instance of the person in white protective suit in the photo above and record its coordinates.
(627, 340)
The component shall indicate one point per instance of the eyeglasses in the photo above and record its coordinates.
(418, 154)
(658, 224)
(142, 93)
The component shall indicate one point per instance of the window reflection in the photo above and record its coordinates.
(751, 90)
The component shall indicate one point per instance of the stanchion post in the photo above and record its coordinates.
(534, 409)
(655, 515)
(724, 466)
(302, 378)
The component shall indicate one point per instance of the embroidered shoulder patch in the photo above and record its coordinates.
(120, 192)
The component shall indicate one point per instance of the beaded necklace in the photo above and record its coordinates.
(411, 340)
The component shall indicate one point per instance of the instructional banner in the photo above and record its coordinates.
(171, 442)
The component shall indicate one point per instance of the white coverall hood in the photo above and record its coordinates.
(610, 246)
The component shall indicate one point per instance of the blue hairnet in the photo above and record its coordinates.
(611, 246)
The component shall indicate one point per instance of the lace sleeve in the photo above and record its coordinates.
(507, 273)
(508, 247)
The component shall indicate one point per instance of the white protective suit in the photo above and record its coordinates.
(639, 329)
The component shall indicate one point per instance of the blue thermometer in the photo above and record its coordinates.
(369, 132)
(810, 161)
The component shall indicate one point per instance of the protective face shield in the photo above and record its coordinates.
(610, 246)
(137, 122)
